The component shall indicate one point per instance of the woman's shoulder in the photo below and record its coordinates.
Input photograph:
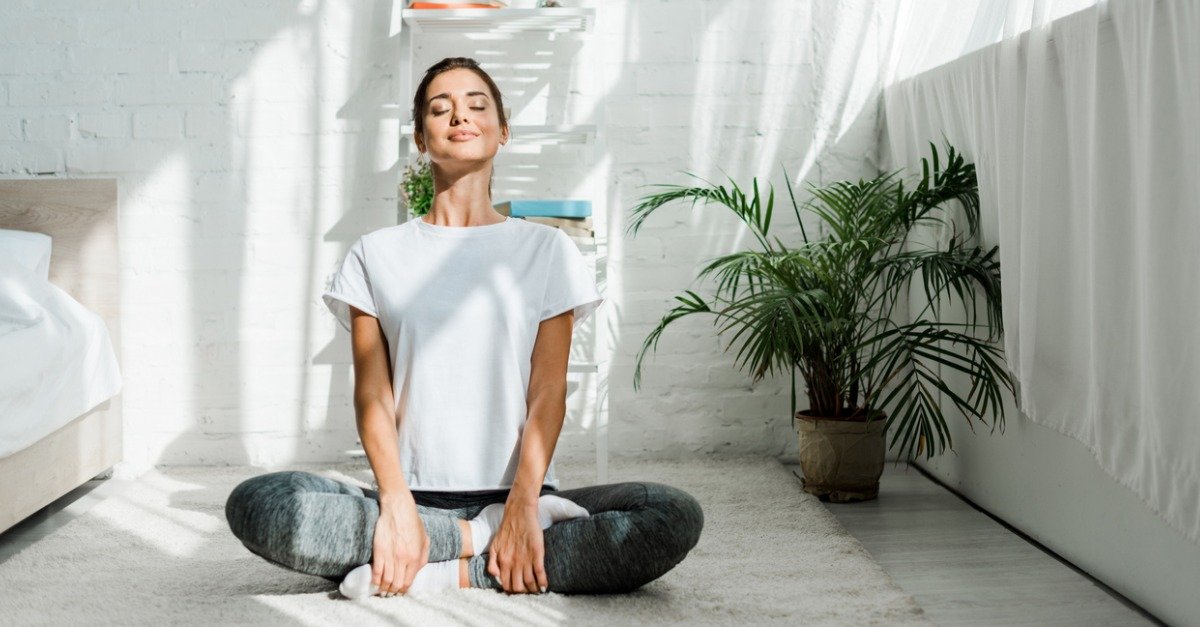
(387, 234)
(536, 231)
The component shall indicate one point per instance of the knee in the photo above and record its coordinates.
(251, 495)
(680, 512)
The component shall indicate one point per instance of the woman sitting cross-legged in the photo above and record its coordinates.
(461, 324)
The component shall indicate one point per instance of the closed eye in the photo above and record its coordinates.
(474, 108)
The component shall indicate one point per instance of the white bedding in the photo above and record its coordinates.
(56, 357)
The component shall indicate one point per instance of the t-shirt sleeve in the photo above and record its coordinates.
(350, 285)
(570, 283)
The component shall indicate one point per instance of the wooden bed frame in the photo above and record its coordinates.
(81, 216)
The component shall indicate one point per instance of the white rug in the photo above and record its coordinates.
(162, 554)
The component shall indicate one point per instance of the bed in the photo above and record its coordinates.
(40, 465)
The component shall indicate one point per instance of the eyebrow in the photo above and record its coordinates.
(470, 93)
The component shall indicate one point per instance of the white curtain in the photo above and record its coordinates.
(1083, 120)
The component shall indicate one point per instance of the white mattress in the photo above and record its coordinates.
(56, 358)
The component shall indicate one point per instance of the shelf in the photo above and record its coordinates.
(555, 20)
(530, 135)
(583, 366)
(588, 249)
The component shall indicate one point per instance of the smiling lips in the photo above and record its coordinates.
(463, 136)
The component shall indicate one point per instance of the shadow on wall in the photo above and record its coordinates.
(744, 95)
(255, 403)
(746, 98)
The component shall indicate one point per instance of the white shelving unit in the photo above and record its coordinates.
(485, 24)
(500, 21)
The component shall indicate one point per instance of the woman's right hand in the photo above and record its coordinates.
(401, 546)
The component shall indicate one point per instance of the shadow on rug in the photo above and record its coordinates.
(160, 553)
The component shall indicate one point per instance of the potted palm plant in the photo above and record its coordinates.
(825, 307)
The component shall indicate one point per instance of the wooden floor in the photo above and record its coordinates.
(962, 566)
(965, 567)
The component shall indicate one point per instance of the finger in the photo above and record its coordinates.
(402, 580)
(516, 580)
(397, 579)
(409, 576)
(492, 568)
(530, 579)
(376, 572)
(398, 585)
(540, 571)
(506, 579)
(385, 581)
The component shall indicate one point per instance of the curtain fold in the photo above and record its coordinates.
(1085, 130)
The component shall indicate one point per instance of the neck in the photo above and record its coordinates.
(461, 198)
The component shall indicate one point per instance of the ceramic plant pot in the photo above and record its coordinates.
(842, 459)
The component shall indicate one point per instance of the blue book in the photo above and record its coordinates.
(546, 208)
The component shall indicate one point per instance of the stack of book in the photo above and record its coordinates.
(572, 216)
(475, 4)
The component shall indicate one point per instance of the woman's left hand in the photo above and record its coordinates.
(517, 553)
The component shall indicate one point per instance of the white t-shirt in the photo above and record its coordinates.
(460, 308)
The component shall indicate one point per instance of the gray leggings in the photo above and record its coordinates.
(637, 531)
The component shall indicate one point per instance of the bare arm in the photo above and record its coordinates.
(400, 546)
(547, 407)
(517, 556)
(374, 405)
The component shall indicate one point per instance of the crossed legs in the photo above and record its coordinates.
(637, 531)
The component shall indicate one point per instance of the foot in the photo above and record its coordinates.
(551, 509)
(445, 575)
(357, 583)
(433, 576)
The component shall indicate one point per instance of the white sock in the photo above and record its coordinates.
(436, 576)
(444, 575)
(357, 583)
(551, 509)
(433, 576)
(486, 524)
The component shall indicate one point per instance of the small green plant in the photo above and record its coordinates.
(825, 307)
(416, 187)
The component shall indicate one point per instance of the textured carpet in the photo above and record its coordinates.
(160, 553)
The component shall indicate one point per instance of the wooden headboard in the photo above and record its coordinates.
(81, 217)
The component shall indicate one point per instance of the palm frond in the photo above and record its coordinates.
(691, 304)
(748, 208)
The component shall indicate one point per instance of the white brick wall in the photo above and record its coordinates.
(254, 142)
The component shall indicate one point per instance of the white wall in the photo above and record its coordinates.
(744, 87)
(248, 143)
(255, 140)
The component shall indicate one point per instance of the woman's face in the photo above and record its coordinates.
(461, 120)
